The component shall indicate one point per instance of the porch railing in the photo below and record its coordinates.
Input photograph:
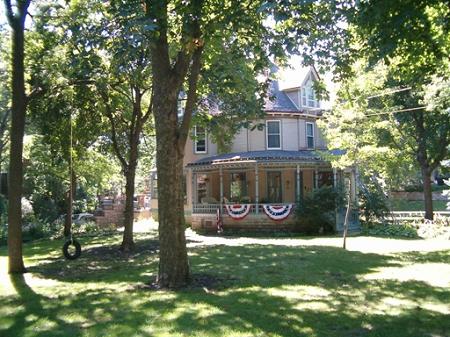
(212, 208)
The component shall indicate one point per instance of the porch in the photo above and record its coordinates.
(263, 186)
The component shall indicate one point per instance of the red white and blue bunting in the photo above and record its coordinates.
(277, 212)
(238, 212)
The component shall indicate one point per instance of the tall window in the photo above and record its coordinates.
(310, 135)
(274, 187)
(202, 187)
(200, 145)
(238, 186)
(273, 131)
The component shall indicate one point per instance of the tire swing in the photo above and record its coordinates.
(71, 248)
(67, 250)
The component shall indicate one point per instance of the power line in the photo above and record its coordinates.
(396, 111)
(388, 92)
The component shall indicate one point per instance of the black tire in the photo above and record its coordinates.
(66, 252)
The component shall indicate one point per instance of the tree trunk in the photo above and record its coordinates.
(16, 150)
(427, 193)
(173, 260)
(130, 174)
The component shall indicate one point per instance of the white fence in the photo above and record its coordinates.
(417, 215)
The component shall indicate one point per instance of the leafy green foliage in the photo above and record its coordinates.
(5, 94)
(46, 179)
(315, 212)
(389, 230)
(373, 201)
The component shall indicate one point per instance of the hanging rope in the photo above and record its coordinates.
(71, 241)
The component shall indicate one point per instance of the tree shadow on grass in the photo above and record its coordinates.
(269, 290)
(32, 307)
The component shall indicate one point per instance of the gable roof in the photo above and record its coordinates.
(278, 100)
(289, 80)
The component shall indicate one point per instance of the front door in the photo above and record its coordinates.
(274, 192)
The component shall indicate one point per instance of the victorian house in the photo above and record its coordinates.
(268, 170)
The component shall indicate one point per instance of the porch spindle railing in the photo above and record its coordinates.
(212, 208)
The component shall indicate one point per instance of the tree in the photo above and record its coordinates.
(63, 109)
(97, 75)
(187, 35)
(16, 18)
(114, 53)
(415, 51)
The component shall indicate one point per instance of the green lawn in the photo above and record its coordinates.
(408, 205)
(264, 287)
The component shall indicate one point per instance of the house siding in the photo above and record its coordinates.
(257, 138)
(293, 138)
(289, 134)
(301, 134)
(240, 141)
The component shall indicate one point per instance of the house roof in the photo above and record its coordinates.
(289, 80)
(293, 78)
(278, 100)
(263, 156)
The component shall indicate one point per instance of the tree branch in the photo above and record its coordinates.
(110, 116)
(9, 11)
(191, 101)
(150, 107)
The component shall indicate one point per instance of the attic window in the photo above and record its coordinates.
(309, 98)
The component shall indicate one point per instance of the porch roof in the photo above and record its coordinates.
(264, 156)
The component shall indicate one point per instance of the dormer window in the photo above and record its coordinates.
(200, 143)
(309, 98)
(273, 135)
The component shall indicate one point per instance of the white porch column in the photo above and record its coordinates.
(221, 187)
(298, 183)
(256, 189)
(194, 188)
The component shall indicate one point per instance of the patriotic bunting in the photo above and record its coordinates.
(238, 212)
(277, 212)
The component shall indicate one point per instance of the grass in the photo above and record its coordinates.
(411, 206)
(266, 287)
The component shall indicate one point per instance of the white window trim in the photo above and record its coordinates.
(195, 142)
(313, 135)
(310, 79)
(267, 134)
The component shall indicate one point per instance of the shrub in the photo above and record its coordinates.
(439, 228)
(3, 234)
(45, 208)
(3, 205)
(27, 210)
(390, 230)
(373, 202)
(37, 229)
(315, 212)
